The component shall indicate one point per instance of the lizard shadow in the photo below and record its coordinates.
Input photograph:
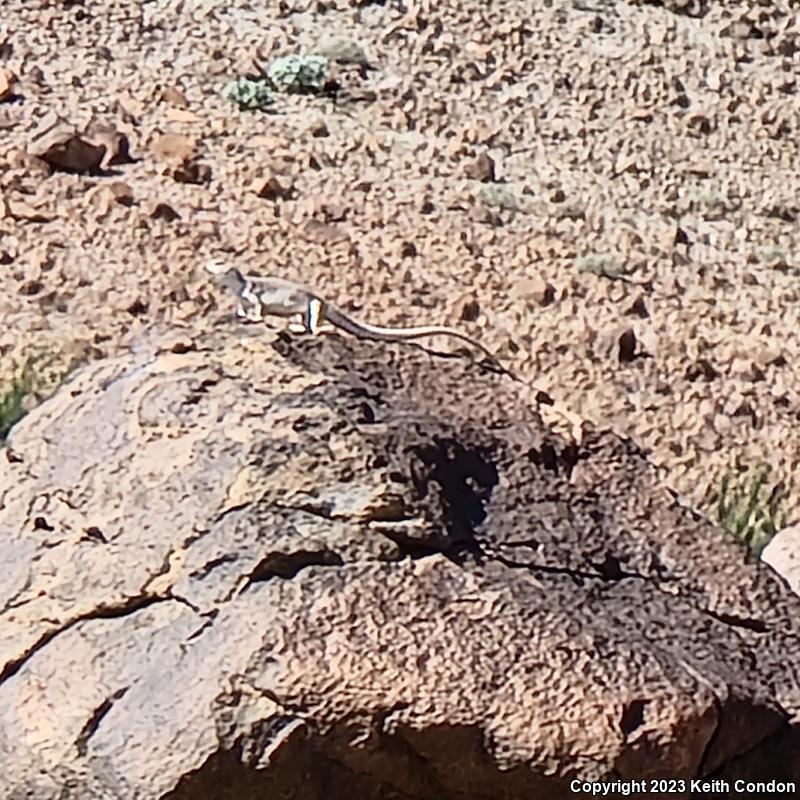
(308, 351)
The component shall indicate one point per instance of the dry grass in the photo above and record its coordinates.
(751, 509)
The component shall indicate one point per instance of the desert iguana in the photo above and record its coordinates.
(262, 297)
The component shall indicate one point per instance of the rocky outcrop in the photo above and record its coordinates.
(782, 553)
(242, 564)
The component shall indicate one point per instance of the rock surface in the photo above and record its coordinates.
(240, 563)
(783, 555)
(350, 570)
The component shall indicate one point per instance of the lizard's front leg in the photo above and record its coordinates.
(251, 313)
(249, 306)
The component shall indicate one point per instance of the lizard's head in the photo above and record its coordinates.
(215, 266)
(229, 277)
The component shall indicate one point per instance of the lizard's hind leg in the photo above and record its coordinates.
(313, 315)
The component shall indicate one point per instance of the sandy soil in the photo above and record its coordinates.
(604, 192)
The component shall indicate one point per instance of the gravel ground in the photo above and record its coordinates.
(604, 192)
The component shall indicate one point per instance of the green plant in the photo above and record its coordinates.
(750, 510)
(248, 94)
(12, 400)
(773, 254)
(500, 195)
(299, 74)
(599, 264)
(712, 200)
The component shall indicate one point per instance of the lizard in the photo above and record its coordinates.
(260, 297)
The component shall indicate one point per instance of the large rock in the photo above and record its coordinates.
(782, 553)
(242, 566)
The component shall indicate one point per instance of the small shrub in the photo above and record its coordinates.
(773, 255)
(248, 94)
(750, 511)
(713, 204)
(299, 74)
(599, 264)
(37, 378)
(500, 195)
(12, 400)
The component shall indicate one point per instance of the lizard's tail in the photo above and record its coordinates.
(385, 334)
